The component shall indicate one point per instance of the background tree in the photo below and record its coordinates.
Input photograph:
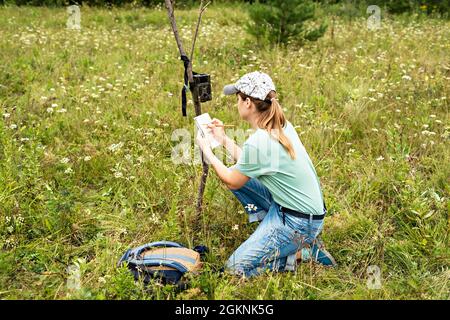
(281, 22)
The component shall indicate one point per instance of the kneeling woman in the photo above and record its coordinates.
(275, 181)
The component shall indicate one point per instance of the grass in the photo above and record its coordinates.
(85, 152)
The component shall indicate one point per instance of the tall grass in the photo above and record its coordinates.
(85, 152)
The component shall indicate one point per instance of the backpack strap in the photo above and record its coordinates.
(168, 244)
(155, 262)
(131, 254)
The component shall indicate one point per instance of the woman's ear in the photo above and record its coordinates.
(248, 103)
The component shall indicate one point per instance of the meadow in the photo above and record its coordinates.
(86, 170)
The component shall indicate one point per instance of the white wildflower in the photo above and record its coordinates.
(64, 160)
(115, 147)
(87, 158)
(68, 170)
(406, 77)
(251, 207)
(380, 158)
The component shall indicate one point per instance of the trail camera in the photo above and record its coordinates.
(203, 82)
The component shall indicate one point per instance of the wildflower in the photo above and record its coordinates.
(87, 158)
(154, 219)
(54, 105)
(62, 110)
(115, 147)
(235, 227)
(251, 207)
(6, 115)
(406, 77)
(13, 126)
(64, 160)
(374, 129)
(140, 159)
(428, 133)
(50, 110)
(118, 174)
(380, 158)
(68, 170)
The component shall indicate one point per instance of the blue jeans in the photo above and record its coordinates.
(273, 241)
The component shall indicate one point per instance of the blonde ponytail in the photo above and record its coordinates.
(272, 119)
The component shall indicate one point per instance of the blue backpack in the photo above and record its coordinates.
(163, 260)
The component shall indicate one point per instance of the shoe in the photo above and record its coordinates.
(318, 253)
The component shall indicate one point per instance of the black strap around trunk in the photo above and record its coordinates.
(185, 86)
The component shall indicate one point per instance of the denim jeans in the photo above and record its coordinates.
(273, 241)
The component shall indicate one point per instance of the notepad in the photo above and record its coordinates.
(201, 121)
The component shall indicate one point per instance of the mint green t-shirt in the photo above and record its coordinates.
(293, 183)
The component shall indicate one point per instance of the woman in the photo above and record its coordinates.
(275, 181)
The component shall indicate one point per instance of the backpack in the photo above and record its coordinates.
(165, 261)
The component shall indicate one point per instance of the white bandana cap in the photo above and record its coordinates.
(255, 84)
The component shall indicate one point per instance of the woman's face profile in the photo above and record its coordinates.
(243, 107)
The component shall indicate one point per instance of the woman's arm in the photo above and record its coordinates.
(232, 148)
(216, 127)
(232, 178)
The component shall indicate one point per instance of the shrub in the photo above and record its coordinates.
(281, 22)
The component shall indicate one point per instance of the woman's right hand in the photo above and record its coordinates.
(217, 130)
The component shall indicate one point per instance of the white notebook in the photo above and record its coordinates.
(201, 121)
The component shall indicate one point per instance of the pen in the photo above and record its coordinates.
(222, 125)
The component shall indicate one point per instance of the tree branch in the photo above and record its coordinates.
(194, 91)
(202, 8)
